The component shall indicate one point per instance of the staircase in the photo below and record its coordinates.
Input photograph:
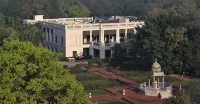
(165, 94)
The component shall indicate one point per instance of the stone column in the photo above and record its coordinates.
(90, 35)
(158, 83)
(117, 36)
(135, 31)
(102, 54)
(50, 35)
(101, 36)
(91, 51)
(90, 95)
(149, 82)
(125, 34)
(46, 34)
(124, 92)
(112, 39)
(154, 82)
(111, 53)
(163, 82)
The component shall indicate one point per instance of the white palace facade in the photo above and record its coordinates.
(85, 36)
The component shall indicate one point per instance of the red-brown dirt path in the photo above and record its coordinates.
(129, 87)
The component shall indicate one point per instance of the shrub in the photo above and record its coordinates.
(88, 76)
(76, 69)
(100, 63)
(99, 84)
(97, 61)
(66, 66)
(87, 57)
(90, 63)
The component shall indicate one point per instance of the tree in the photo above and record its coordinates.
(162, 37)
(29, 74)
(182, 98)
(192, 50)
(194, 92)
(2, 19)
(33, 33)
(7, 34)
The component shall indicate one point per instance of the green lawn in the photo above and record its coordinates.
(141, 76)
(138, 76)
(143, 101)
(99, 84)
(95, 83)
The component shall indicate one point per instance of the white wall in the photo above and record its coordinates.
(59, 32)
(74, 42)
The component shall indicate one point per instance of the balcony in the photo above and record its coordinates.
(102, 44)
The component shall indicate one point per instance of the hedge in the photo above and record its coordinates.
(88, 76)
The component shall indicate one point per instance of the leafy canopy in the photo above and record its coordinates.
(29, 74)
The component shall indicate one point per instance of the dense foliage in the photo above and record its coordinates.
(29, 74)
(12, 29)
(49, 8)
(69, 8)
(97, 61)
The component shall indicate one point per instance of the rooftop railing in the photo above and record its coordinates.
(105, 25)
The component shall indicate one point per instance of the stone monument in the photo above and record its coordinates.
(156, 74)
(157, 87)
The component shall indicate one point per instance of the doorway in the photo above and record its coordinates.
(74, 53)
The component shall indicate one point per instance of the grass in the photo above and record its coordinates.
(114, 102)
(176, 81)
(95, 83)
(99, 84)
(142, 76)
(138, 76)
(143, 101)
(88, 76)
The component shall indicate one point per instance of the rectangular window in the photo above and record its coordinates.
(48, 34)
(51, 31)
(62, 41)
(52, 35)
(56, 39)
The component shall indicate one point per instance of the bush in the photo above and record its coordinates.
(99, 84)
(66, 66)
(97, 61)
(87, 57)
(90, 63)
(88, 76)
(76, 69)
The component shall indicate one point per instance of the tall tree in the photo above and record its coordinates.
(33, 33)
(192, 50)
(29, 74)
(7, 34)
(162, 38)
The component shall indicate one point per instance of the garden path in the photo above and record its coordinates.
(130, 87)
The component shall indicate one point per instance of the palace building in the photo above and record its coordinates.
(86, 36)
